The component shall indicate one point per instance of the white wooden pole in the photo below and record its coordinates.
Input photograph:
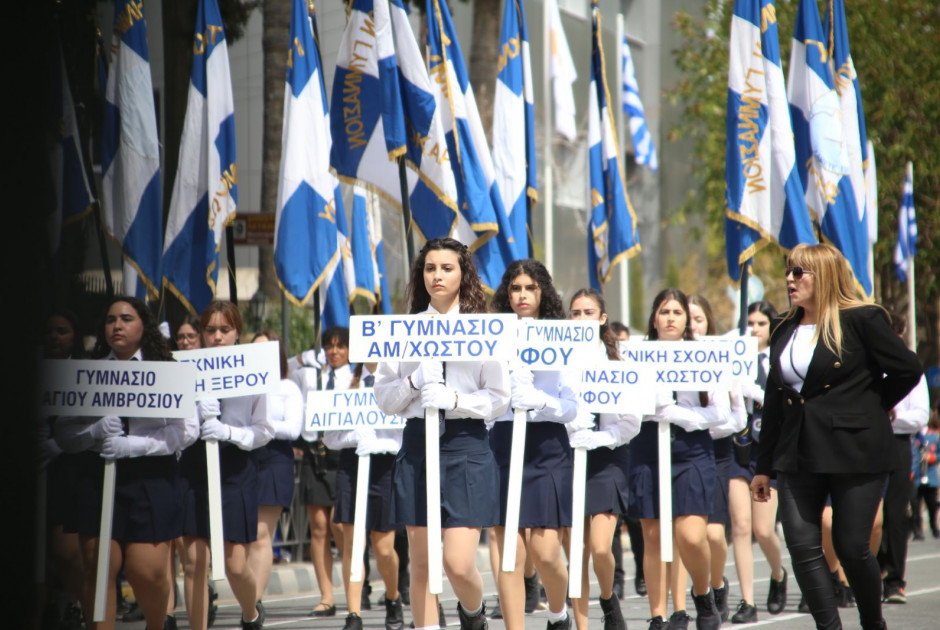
(104, 542)
(433, 473)
(547, 183)
(625, 263)
(359, 518)
(665, 492)
(514, 498)
(216, 532)
(579, 476)
(911, 311)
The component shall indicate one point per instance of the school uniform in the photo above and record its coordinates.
(247, 417)
(318, 468)
(693, 456)
(148, 489)
(468, 471)
(735, 421)
(275, 460)
(754, 398)
(547, 461)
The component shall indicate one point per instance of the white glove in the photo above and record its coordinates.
(522, 377)
(427, 372)
(682, 417)
(366, 442)
(438, 396)
(590, 440)
(212, 429)
(527, 397)
(209, 408)
(107, 426)
(164, 329)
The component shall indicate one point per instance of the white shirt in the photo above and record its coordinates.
(483, 388)
(913, 412)
(286, 411)
(561, 403)
(797, 355)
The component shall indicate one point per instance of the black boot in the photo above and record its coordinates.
(706, 614)
(564, 624)
(613, 618)
(353, 622)
(721, 600)
(532, 598)
(169, 623)
(474, 622)
(394, 617)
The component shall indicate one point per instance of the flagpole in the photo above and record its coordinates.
(911, 313)
(625, 263)
(548, 187)
(230, 255)
(742, 321)
(406, 210)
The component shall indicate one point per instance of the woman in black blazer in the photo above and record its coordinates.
(836, 369)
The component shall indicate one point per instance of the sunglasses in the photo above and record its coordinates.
(797, 272)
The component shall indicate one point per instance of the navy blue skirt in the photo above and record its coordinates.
(546, 473)
(275, 461)
(148, 496)
(380, 512)
(693, 472)
(608, 489)
(469, 476)
(239, 493)
(723, 457)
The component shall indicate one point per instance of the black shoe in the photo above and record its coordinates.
(471, 622)
(895, 594)
(441, 620)
(706, 615)
(639, 584)
(258, 623)
(532, 599)
(353, 622)
(613, 617)
(327, 610)
(213, 608)
(745, 613)
(657, 623)
(394, 617)
(777, 595)
(918, 536)
(134, 613)
(564, 624)
(72, 618)
(618, 587)
(678, 621)
(404, 591)
(849, 596)
(170, 623)
(721, 600)
(803, 607)
(364, 603)
(497, 612)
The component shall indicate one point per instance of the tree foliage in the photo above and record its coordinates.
(890, 43)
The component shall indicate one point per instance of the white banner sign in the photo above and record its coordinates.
(711, 364)
(612, 387)
(556, 344)
(345, 410)
(471, 337)
(142, 389)
(229, 371)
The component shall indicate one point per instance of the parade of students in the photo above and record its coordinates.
(381, 445)
(836, 370)
(748, 517)
(926, 477)
(148, 507)
(444, 281)
(690, 415)
(239, 425)
(605, 437)
(549, 399)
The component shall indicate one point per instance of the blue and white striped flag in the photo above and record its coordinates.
(562, 72)
(367, 250)
(383, 108)
(643, 148)
(341, 279)
(763, 192)
(906, 248)
(514, 127)
(132, 206)
(308, 203)
(822, 144)
(205, 193)
(611, 231)
(484, 224)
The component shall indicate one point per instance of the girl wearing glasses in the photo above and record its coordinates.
(836, 370)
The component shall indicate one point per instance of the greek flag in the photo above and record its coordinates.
(308, 199)
(906, 248)
(514, 127)
(611, 229)
(484, 224)
(132, 207)
(822, 137)
(562, 72)
(763, 192)
(205, 193)
(643, 148)
(368, 257)
(341, 279)
(383, 109)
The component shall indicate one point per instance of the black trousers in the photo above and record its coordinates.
(928, 495)
(855, 500)
(892, 557)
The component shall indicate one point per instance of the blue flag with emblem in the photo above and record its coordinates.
(484, 225)
(763, 192)
(611, 222)
(822, 144)
(906, 247)
(514, 127)
(205, 193)
(131, 198)
(383, 109)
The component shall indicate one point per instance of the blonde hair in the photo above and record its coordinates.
(835, 289)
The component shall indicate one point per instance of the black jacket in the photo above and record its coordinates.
(838, 422)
